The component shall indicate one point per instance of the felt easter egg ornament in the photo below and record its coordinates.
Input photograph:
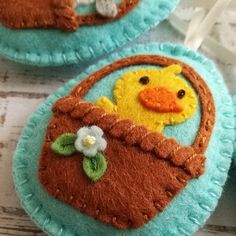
(58, 32)
(138, 144)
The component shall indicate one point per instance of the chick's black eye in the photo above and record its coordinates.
(181, 93)
(144, 80)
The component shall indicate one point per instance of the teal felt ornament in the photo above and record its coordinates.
(186, 212)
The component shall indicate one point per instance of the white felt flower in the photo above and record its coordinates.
(90, 141)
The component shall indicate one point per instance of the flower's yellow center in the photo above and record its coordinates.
(89, 141)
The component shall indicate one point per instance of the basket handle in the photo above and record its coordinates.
(206, 99)
(124, 8)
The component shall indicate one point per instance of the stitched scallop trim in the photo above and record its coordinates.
(32, 204)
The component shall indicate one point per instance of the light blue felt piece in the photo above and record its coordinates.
(186, 213)
(54, 48)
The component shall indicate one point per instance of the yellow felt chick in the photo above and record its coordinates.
(153, 98)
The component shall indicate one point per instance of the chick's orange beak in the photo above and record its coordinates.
(160, 100)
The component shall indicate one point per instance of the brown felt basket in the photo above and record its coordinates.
(145, 169)
(23, 14)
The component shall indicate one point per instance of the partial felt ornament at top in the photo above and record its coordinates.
(60, 13)
(58, 32)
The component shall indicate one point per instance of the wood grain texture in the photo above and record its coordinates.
(22, 89)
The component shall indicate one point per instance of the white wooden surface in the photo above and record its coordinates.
(22, 89)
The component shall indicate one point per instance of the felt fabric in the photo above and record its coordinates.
(120, 194)
(106, 8)
(20, 14)
(137, 101)
(95, 167)
(54, 48)
(84, 1)
(189, 210)
(127, 146)
(58, 13)
(130, 193)
(88, 148)
(160, 100)
(64, 144)
(130, 134)
(207, 104)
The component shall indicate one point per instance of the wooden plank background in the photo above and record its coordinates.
(22, 89)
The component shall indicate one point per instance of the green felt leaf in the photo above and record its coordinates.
(95, 167)
(65, 144)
